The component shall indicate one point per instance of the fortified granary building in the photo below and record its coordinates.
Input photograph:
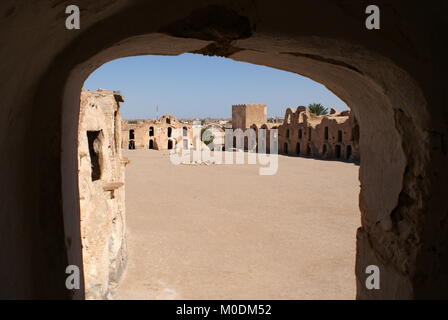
(333, 136)
(163, 134)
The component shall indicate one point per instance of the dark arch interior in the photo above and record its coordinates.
(348, 152)
(349, 84)
(324, 150)
(402, 139)
(338, 151)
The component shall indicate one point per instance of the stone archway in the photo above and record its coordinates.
(324, 151)
(402, 140)
(338, 151)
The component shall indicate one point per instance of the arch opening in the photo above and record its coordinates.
(315, 70)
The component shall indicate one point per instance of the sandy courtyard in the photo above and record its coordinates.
(225, 232)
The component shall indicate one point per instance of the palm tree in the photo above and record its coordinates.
(207, 135)
(317, 109)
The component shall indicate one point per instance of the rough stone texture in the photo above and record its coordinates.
(162, 134)
(394, 79)
(335, 136)
(101, 192)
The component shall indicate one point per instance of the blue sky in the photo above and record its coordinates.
(196, 86)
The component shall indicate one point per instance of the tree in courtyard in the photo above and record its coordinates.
(207, 135)
(317, 109)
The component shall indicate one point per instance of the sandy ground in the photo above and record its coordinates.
(225, 232)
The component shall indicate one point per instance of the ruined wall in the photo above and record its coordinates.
(102, 192)
(154, 134)
(245, 115)
(333, 136)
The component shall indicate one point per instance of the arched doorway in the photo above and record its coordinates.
(151, 144)
(324, 151)
(338, 151)
(349, 76)
(348, 153)
(285, 148)
(298, 149)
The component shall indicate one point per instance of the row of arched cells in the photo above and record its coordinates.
(325, 149)
(170, 143)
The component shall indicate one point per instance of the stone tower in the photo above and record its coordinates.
(245, 115)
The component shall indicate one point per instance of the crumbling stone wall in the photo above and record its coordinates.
(101, 192)
(333, 136)
(162, 134)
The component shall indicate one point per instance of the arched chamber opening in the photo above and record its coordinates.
(167, 133)
(324, 150)
(343, 78)
(338, 151)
